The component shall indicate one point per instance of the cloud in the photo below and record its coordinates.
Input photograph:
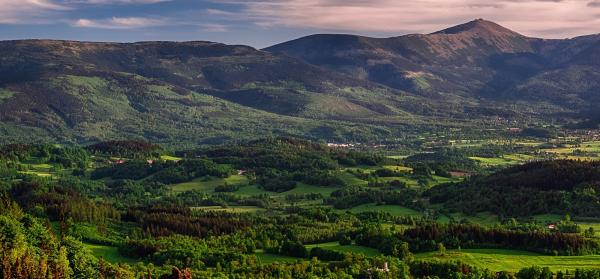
(120, 23)
(594, 4)
(28, 11)
(531, 17)
(212, 27)
(116, 2)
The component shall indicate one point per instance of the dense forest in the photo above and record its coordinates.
(561, 186)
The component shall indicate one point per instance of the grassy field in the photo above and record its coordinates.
(365, 169)
(398, 156)
(170, 158)
(208, 185)
(266, 258)
(493, 162)
(108, 253)
(399, 168)
(38, 173)
(39, 169)
(407, 181)
(440, 179)
(352, 180)
(335, 246)
(512, 260)
(392, 209)
(301, 188)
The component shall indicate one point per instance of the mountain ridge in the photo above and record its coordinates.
(337, 87)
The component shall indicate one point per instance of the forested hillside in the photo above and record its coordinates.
(560, 187)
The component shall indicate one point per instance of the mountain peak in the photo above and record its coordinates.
(479, 27)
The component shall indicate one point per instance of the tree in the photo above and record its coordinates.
(442, 249)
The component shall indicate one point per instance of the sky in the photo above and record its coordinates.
(261, 23)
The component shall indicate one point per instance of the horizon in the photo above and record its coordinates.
(292, 39)
(267, 22)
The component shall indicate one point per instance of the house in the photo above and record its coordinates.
(150, 162)
(552, 226)
(385, 269)
(120, 161)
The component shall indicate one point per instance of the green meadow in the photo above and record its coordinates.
(208, 184)
(512, 260)
(108, 253)
(396, 210)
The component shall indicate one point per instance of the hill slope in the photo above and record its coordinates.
(560, 187)
(471, 77)
(177, 92)
(478, 59)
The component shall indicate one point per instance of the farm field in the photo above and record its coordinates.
(395, 210)
(301, 188)
(208, 184)
(34, 167)
(170, 158)
(512, 260)
(108, 253)
(268, 258)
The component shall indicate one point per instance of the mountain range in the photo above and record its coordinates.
(474, 76)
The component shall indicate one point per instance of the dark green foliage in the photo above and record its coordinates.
(353, 196)
(539, 133)
(293, 249)
(126, 149)
(165, 221)
(326, 255)
(426, 237)
(164, 172)
(277, 183)
(560, 186)
(443, 161)
(227, 188)
(534, 272)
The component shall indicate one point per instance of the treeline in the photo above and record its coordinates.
(59, 203)
(65, 156)
(286, 154)
(427, 238)
(353, 196)
(280, 164)
(560, 186)
(126, 148)
(443, 161)
(166, 172)
(164, 221)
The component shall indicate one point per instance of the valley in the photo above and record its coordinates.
(469, 152)
(126, 194)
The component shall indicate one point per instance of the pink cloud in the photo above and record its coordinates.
(119, 23)
(27, 11)
(546, 18)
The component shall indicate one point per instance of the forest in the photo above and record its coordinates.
(289, 208)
